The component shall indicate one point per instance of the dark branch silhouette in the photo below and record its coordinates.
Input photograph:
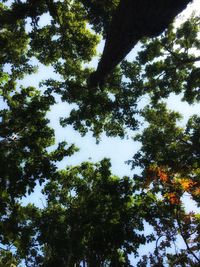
(133, 20)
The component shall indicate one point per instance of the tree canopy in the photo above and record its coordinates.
(131, 21)
(92, 217)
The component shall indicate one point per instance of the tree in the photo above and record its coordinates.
(164, 65)
(132, 21)
(91, 216)
(169, 158)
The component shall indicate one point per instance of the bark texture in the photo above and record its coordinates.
(133, 20)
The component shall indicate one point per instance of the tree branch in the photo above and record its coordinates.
(185, 239)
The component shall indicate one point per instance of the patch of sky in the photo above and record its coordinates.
(174, 103)
(189, 204)
(43, 73)
(36, 198)
(119, 150)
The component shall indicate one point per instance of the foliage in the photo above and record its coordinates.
(94, 214)
(169, 62)
(164, 65)
(99, 13)
(169, 158)
(168, 150)
(91, 216)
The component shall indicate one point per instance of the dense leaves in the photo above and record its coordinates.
(169, 158)
(91, 217)
(95, 214)
(164, 65)
(132, 21)
(99, 13)
(170, 62)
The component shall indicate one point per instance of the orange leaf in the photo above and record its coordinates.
(173, 198)
(187, 184)
(197, 191)
(163, 176)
